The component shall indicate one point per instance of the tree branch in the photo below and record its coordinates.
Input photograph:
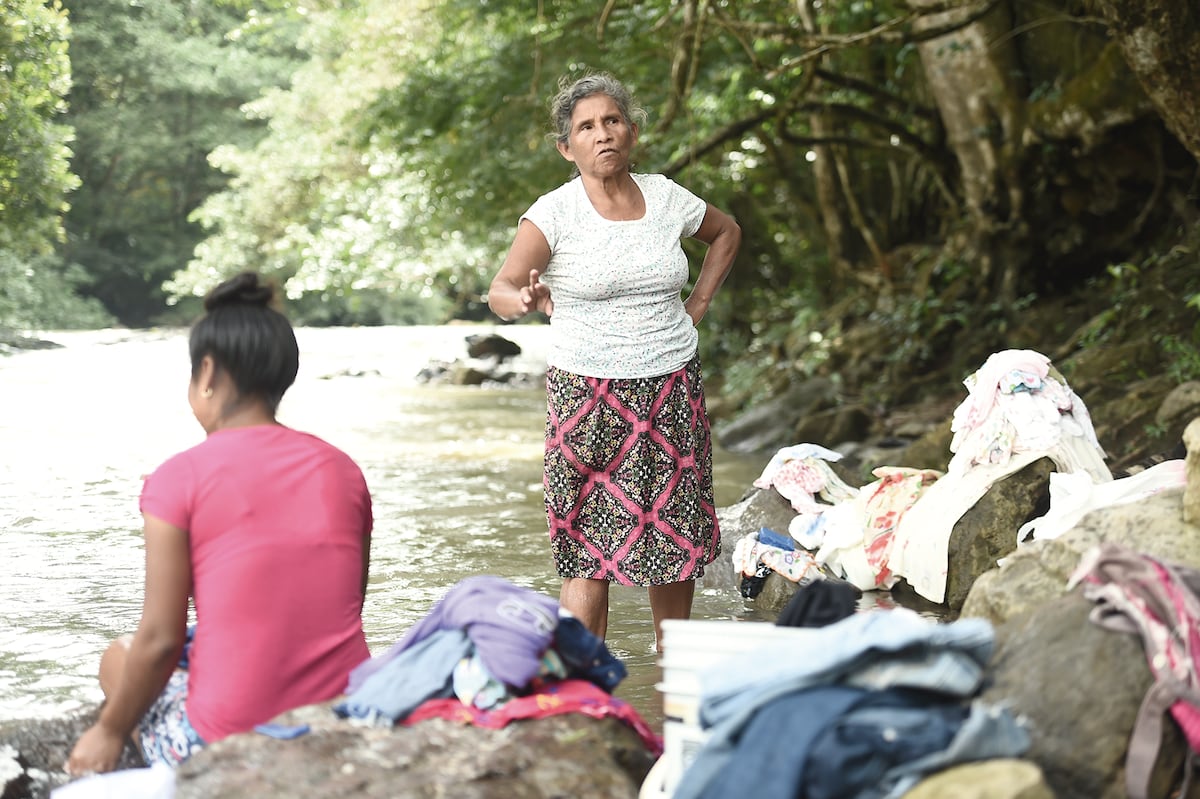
(881, 95)
(734, 130)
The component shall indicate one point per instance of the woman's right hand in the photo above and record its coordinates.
(517, 288)
(536, 295)
(98, 750)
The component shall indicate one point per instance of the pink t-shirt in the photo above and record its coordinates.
(277, 522)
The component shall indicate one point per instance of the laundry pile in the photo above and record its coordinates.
(858, 535)
(757, 555)
(1018, 409)
(802, 475)
(861, 708)
(487, 653)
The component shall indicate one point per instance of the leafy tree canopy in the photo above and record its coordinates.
(158, 86)
(35, 75)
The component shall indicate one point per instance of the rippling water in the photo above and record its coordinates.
(454, 472)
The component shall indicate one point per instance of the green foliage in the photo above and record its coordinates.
(407, 147)
(34, 171)
(40, 294)
(367, 307)
(157, 87)
(1181, 355)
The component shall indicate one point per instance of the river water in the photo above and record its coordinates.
(454, 472)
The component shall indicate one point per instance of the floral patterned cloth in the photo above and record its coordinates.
(165, 734)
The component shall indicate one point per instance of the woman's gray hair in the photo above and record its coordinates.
(571, 92)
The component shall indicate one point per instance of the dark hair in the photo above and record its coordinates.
(571, 92)
(247, 338)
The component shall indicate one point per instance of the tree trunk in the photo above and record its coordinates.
(973, 74)
(1161, 41)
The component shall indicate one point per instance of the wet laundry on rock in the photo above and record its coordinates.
(758, 554)
(510, 627)
(859, 534)
(1075, 494)
(802, 475)
(547, 699)
(488, 652)
(1018, 411)
(819, 603)
(1158, 601)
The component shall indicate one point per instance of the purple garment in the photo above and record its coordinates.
(510, 627)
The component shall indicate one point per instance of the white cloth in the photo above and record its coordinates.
(1072, 496)
(842, 549)
(1016, 413)
(793, 453)
(616, 284)
(801, 474)
(155, 782)
(808, 529)
(1016, 404)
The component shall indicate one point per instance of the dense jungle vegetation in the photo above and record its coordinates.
(920, 182)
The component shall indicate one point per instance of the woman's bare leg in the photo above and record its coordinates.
(586, 600)
(671, 601)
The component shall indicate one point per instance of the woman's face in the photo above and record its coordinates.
(601, 139)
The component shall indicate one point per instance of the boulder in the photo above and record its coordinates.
(1191, 495)
(565, 755)
(828, 427)
(491, 345)
(1037, 571)
(988, 530)
(771, 425)
(1080, 686)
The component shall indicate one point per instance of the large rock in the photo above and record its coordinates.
(988, 530)
(565, 755)
(1079, 685)
(1191, 496)
(989, 779)
(558, 756)
(1037, 572)
(491, 345)
(770, 426)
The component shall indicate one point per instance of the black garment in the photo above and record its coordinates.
(819, 603)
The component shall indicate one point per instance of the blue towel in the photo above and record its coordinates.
(771, 538)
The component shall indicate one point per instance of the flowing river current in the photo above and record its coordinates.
(454, 472)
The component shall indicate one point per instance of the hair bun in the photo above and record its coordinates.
(244, 289)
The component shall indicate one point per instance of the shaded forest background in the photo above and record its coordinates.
(919, 183)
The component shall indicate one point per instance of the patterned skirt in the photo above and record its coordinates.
(628, 477)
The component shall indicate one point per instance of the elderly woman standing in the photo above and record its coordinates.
(628, 464)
